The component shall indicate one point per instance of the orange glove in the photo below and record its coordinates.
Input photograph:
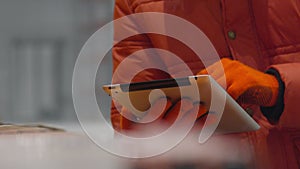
(166, 118)
(245, 84)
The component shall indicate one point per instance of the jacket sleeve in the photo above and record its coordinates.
(121, 51)
(290, 114)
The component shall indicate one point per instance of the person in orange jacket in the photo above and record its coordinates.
(258, 41)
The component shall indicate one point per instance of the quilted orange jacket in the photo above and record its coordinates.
(263, 34)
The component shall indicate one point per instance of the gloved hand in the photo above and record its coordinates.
(245, 84)
(165, 119)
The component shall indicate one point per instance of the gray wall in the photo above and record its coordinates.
(39, 43)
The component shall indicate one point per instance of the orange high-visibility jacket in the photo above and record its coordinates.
(260, 33)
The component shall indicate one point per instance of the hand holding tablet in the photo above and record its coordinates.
(138, 97)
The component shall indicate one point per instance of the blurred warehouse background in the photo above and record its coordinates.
(40, 41)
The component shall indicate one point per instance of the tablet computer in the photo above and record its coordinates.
(137, 97)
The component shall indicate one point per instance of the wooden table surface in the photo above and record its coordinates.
(74, 150)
